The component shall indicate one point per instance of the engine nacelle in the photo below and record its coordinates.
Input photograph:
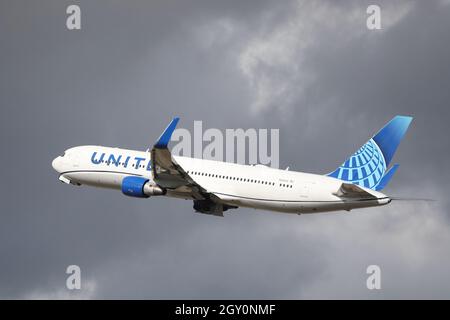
(140, 187)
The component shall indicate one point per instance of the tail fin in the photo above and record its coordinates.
(367, 167)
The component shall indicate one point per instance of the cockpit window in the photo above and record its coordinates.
(63, 154)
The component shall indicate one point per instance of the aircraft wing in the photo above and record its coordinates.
(168, 174)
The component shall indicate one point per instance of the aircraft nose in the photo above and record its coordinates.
(56, 164)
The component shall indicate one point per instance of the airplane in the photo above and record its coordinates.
(215, 186)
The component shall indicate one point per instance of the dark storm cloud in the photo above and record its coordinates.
(309, 68)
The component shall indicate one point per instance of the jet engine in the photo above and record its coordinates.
(140, 187)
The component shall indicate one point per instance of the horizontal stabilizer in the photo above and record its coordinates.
(349, 190)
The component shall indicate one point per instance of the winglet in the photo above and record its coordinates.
(164, 139)
(387, 177)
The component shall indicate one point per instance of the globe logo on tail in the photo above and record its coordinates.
(365, 168)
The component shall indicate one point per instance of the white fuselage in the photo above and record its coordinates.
(255, 186)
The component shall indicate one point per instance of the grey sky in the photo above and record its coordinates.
(310, 68)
